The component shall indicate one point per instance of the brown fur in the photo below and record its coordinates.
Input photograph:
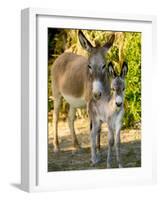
(66, 78)
(73, 76)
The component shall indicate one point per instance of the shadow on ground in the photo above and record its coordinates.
(68, 159)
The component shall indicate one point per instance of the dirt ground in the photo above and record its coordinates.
(69, 159)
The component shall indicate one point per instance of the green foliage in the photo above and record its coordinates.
(132, 49)
(60, 40)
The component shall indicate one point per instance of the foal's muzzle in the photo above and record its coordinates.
(119, 101)
(118, 104)
(97, 95)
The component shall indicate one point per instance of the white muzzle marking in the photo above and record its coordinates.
(97, 87)
(118, 99)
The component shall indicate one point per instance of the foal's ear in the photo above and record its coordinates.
(111, 70)
(109, 43)
(84, 42)
(124, 70)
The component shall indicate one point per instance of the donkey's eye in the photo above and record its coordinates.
(123, 89)
(89, 67)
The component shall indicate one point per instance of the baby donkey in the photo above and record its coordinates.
(109, 109)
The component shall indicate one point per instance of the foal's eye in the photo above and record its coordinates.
(123, 89)
(103, 67)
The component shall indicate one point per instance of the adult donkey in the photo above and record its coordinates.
(79, 80)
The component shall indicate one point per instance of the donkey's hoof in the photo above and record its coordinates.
(120, 165)
(56, 150)
(95, 160)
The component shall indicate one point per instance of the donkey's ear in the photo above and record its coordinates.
(111, 70)
(84, 42)
(124, 70)
(109, 43)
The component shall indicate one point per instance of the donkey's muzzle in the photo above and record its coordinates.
(97, 95)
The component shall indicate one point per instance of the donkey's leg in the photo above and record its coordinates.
(117, 146)
(71, 118)
(98, 139)
(98, 136)
(110, 145)
(93, 136)
(57, 102)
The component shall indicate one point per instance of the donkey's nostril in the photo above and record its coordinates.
(97, 95)
(118, 104)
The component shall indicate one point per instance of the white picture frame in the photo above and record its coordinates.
(34, 176)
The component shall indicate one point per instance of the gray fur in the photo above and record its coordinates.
(109, 111)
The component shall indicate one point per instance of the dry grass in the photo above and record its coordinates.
(69, 159)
